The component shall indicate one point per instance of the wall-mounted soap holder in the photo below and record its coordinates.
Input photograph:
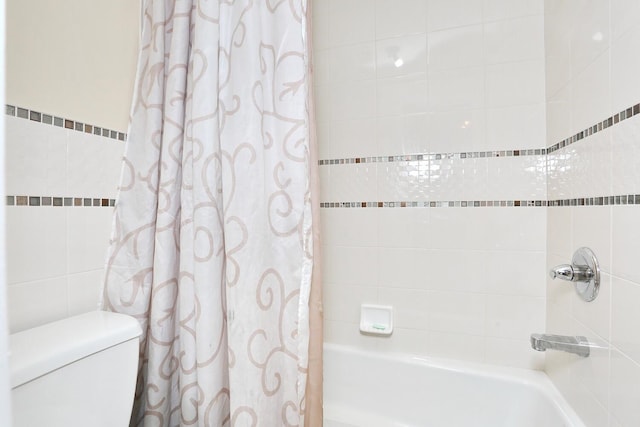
(376, 319)
(584, 271)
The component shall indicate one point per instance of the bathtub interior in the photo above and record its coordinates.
(368, 390)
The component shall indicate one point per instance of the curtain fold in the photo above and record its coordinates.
(213, 245)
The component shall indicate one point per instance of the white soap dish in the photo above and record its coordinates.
(376, 319)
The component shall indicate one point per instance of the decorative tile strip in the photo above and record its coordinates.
(434, 156)
(58, 201)
(48, 119)
(438, 204)
(627, 199)
(598, 127)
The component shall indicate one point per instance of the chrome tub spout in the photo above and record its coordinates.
(575, 345)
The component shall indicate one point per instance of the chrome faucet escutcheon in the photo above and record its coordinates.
(584, 272)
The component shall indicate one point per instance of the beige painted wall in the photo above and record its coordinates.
(73, 58)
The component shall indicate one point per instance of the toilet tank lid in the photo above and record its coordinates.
(38, 351)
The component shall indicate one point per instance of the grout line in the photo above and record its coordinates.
(49, 119)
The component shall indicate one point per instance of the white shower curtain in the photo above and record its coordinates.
(212, 245)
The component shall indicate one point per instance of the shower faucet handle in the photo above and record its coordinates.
(571, 273)
(584, 272)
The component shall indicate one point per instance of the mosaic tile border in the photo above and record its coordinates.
(32, 201)
(591, 130)
(438, 204)
(626, 199)
(61, 122)
(598, 127)
(434, 156)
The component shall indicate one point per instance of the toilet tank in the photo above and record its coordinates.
(75, 372)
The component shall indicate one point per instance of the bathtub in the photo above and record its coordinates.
(366, 389)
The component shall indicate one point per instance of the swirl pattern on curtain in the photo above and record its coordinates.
(212, 247)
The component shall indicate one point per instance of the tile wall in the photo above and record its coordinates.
(592, 74)
(431, 114)
(61, 181)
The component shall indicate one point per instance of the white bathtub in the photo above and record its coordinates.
(365, 389)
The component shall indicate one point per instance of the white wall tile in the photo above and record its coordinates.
(353, 182)
(558, 109)
(456, 312)
(625, 15)
(344, 227)
(514, 40)
(596, 315)
(36, 241)
(591, 227)
(514, 229)
(321, 24)
(514, 317)
(557, 39)
(518, 126)
(405, 228)
(352, 63)
(84, 291)
(93, 165)
(353, 100)
(88, 233)
(590, 34)
(456, 346)
(625, 68)
(625, 243)
(591, 96)
(625, 318)
(453, 13)
(350, 21)
(515, 83)
(410, 307)
(592, 374)
(401, 56)
(323, 108)
(400, 17)
(625, 157)
(344, 265)
(403, 181)
(35, 158)
(446, 272)
(559, 232)
(402, 134)
(353, 138)
(517, 177)
(505, 9)
(34, 303)
(398, 267)
(504, 273)
(456, 89)
(457, 131)
(321, 66)
(342, 302)
(625, 389)
(456, 48)
(402, 95)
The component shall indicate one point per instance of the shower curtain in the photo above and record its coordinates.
(215, 240)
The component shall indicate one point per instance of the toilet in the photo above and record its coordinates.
(75, 372)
